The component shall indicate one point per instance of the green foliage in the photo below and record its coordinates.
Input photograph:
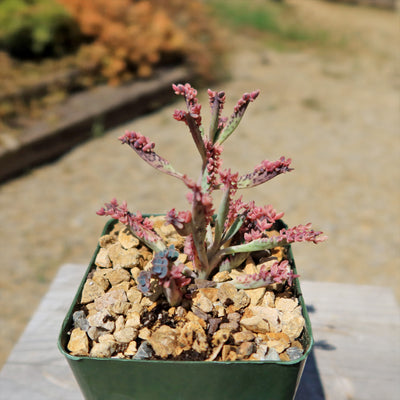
(275, 18)
(31, 29)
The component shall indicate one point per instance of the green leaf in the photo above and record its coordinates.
(255, 245)
(234, 228)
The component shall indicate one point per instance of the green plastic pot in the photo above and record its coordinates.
(120, 379)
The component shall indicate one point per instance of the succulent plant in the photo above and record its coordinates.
(215, 240)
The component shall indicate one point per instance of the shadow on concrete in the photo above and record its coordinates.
(310, 385)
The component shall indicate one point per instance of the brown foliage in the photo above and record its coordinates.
(130, 37)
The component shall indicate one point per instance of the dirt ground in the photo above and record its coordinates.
(334, 111)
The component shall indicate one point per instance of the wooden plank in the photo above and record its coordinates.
(36, 370)
(356, 330)
(356, 356)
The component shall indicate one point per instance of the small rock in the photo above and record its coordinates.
(144, 352)
(271, 315)
(222, 276)
(120, 308)
(226, 292)
(125, 286)
(100, 279)
(278, 341)
(192, 335)
(190, 316)
(102, 259)
(118, 275)
(131, 350)
(202, 302)
(268, 299)
(163, 341)
(286, 304)
(262, 349)
(119, 323)
(94, 333)
(134, 295)
(272, 355)
(231, 326)
(137, 308)
(78, 343)
(243, 336)
(200, 313)
(248, 313)
(126, 335)
(103, 349)
(228, 353)
(220, 309)
(91, 309)
(146, 302)
(180, 313)
(108, 299)
(234, 317)
(126, 239)
(213, 324)
(255, 295)
(292, 324)
(245, 349)
(106, 241)
(255, 324)
(133, 319)
(284, 357)
(80, 320)
(240, 300)
(210, 293)
(135, 271)
(144, 333)
(91, 291)
(296, 343)
(102, 319)
(122, 258)
(250, 266)
(294, 353)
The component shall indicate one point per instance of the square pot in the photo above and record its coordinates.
(121, 379)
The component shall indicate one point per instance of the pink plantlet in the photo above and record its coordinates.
(279, 272)
(229, 180)
(301, 233)
(179, 221)
(192, 104)
(244, 102)
(141, 227)
(214, 162)
(138, 141)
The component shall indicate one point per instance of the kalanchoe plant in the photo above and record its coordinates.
(215, 240)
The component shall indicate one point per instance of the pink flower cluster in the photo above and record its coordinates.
(301, 233)
(214, 162)
(141, 226)
(243, 102)
(138, 141)
(258, 220)
(179, 220)
(192, 103)
(279, 272)
(281, 165)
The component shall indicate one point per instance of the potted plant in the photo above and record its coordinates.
(193, 304)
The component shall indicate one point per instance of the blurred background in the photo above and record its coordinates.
(328, 72)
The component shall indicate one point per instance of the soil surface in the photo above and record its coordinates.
(333, 110)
